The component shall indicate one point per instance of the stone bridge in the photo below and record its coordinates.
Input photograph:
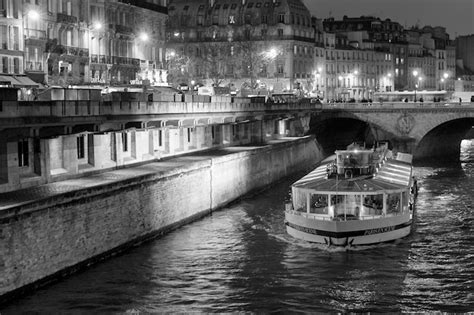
(427, 130)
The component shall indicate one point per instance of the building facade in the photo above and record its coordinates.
(464, 50)
(422, 58)
(263, 43)
(89, 41)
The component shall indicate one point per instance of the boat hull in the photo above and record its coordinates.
(365, 231)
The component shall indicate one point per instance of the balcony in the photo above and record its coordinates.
(34, 66)
(102, 59)
(123, 29)
(34, 34)
(67, 19)
(76, 51)
(126, 61)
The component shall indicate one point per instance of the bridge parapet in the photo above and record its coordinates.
(447, 106)
(80, 108)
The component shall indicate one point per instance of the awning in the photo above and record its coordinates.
(24, 81)
(18, 81)
(8, 80)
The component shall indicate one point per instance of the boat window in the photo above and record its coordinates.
(338, 202)
(346, 207)
(393, 203)
(405, 201)
(319, 204)
(373, 205)
(351, 160)
(300, 200)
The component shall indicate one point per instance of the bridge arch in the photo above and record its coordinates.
(337, 132)
(428, 130)
(443, 142)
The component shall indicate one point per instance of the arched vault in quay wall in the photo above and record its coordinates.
(426, 133)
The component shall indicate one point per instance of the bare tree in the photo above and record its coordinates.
(216, 61)
(254, 58)
(179, 67)
(53, 54)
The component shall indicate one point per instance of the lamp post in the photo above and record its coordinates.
(415, 75)
(355, 73)
(317, 81)
(444, 79)
(32, 15)
(96, 26)
(271, 55)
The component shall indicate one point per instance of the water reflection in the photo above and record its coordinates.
(242, 260)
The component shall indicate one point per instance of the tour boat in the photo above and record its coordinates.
(359, 196)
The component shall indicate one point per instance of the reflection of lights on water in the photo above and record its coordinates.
(467, 143)
(467, 150)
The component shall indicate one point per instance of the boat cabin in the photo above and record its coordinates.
(357, 160)
(359, 183)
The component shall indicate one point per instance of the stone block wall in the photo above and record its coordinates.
(50, 238)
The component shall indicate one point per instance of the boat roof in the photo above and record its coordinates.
(393, 175)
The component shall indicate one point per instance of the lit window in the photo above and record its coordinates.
(23, 153)
(124, 142)
(80, 146)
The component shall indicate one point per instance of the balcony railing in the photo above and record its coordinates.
(34, 66)
(32, 33)
(65, 18)
(76, 51)
(123, 29)
(238, 38)
(126, 61)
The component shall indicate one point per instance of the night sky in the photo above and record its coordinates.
(456, 15)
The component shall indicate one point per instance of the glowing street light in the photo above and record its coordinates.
(272, 53)
(33, 15)
(97, 26)
(415, 74)
(143, 37)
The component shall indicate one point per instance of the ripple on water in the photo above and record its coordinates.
(242, 260)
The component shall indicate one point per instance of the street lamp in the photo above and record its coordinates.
(143, 37)
(31, 15)
(94, 27)
(317, 80)
(445, 78)
(415, 74)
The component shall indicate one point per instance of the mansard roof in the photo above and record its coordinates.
(185, 12)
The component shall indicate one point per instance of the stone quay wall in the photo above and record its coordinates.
(47, 239)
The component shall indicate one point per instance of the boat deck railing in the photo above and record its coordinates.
(341, 217)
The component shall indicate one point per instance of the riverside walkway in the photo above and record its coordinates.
(10, 200)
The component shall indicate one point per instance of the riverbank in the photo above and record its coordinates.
(50, 231)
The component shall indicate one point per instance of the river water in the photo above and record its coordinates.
(241, 260)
